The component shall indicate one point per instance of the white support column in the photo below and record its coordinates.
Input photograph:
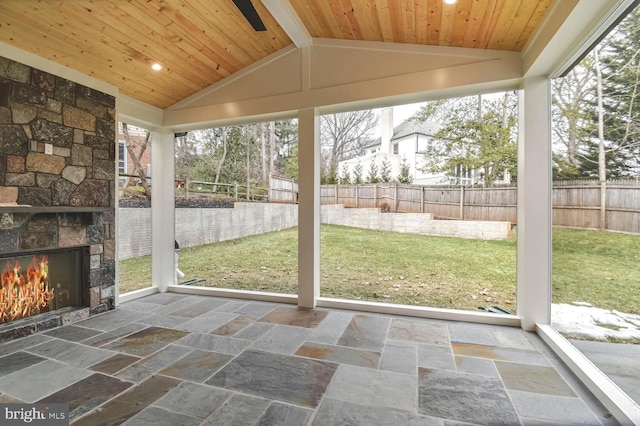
(162, 208)
(534, 204)
(308, 208)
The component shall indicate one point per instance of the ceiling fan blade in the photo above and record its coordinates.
(251, 14)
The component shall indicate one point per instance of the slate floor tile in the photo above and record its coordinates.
(339, 354)
(374, 387)
(472, 333)
(130, 403)
(193, 400)
(115, 334)
(233, 326)
(419, 331)
(50, 376)
(211, 342)
(22, 343)
(566, 410)
(87, 394)
(160, 417)
(112, 320)
(178, 305)
(147, 341)
(197, 366)
(72, 333)
(333, 412)
(433, 356)
(284, 415)
(232, 306)
(163, 320)
(139, 306)
(299, 317)
(115, 363)
(331, 328)
(17, 361)
(164, 298)
(512, 337)
(206, 324)
(239, 410)
(365, 332)
(502, 354)
(71, 353)
(477, 366)
(254, 331)
(255, 309)
(8, 399)
(292, 379)
(148, 366)
(533, 378)
(198, 308)
(400, 357)
(464, 397)
(281, 339)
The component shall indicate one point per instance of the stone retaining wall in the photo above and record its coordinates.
(205, 226)
(414, 223)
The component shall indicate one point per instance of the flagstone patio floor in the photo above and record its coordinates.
(175, 359)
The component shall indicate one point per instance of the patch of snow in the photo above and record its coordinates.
(594, 322)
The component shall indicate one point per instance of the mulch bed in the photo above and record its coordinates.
(193, 203)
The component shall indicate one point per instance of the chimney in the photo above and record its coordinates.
(386, 130)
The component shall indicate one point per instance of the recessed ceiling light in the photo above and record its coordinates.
(450, 1)
(156, 67)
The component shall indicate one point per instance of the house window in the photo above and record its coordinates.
(122, 158)
(395, 149)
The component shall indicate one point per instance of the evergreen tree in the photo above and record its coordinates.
(405, 172)
(357, 174)
(385, 171)
(345, 177)
(330, 177)
(372, 174)
(620, 56)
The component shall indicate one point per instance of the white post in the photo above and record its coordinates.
(308, 208)
(534, 204)
(162, 209)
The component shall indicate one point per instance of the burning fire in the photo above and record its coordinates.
(23, 295)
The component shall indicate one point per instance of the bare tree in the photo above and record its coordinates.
(344, 135)
(136, 155)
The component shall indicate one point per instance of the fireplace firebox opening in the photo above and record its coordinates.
(34, 283)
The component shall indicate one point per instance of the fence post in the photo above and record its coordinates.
(186, 189)
(357, 194)
(335, 193)
(461, 202)
(603, 205)
(421, 199)
(395, 197)
(235, 192)
(375, 195)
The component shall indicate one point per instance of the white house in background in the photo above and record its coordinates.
(410, 140)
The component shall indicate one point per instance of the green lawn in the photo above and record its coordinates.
(594, 267)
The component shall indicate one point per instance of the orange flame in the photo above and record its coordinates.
(23, 295)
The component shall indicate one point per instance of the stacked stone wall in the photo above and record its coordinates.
(57, 175)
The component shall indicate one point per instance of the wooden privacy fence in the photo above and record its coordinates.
(575, 203)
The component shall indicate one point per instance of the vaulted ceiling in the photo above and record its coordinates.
(201, 42)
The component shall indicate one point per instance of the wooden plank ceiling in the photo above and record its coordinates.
(200, 42)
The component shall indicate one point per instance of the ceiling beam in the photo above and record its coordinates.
(286, 16)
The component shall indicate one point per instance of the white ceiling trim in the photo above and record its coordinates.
(570, 27)
(286, 16)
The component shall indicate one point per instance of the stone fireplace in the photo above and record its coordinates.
(57, 200)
